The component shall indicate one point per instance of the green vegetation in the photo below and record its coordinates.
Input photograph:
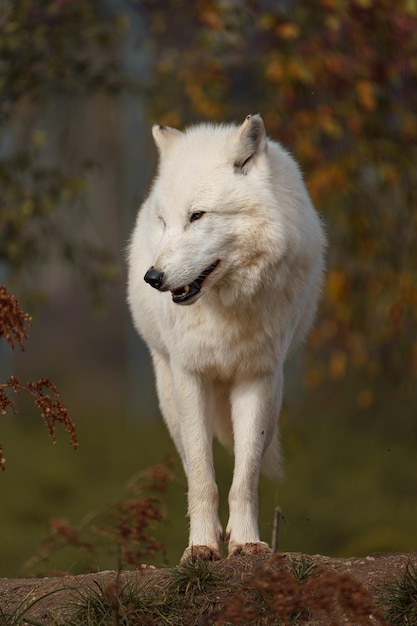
(44, 483)
(302, 567)
(400, 599)
(123, 605)
(346, 492)
(50, 52)
(193, 578)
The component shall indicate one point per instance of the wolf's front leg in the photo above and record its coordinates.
(195, 404)
(255, 408)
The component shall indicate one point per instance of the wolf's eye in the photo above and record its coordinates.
(196, 216)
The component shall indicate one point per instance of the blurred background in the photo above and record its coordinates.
(81, 83)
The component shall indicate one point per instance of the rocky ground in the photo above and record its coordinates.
(231, 599)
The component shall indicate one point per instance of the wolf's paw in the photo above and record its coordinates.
(260, 547)
(193, 553)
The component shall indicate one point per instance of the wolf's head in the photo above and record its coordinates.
(210, 207)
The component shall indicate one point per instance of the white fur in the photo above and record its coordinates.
(219, 361)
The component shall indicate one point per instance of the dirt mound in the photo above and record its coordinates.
(243, 590)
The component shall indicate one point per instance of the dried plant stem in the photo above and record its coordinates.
(275, 528)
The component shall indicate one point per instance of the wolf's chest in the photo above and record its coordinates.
(222, 346)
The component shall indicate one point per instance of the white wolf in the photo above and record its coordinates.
(229, 230)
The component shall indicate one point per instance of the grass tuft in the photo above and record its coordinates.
(302, 567)
(400, 599)
(193, 577)
(113, 604)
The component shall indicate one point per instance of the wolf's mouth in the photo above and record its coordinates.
(186, 293)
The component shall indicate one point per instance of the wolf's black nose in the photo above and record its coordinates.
(154, 277)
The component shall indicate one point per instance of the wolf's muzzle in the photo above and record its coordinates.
(189, 293)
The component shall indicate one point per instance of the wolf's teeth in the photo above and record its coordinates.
(186, 289)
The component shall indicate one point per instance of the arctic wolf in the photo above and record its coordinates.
(225, 270)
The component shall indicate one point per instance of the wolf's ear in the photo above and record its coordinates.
(164, 136)
(251, 141)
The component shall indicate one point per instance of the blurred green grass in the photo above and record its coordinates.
(348, 490)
